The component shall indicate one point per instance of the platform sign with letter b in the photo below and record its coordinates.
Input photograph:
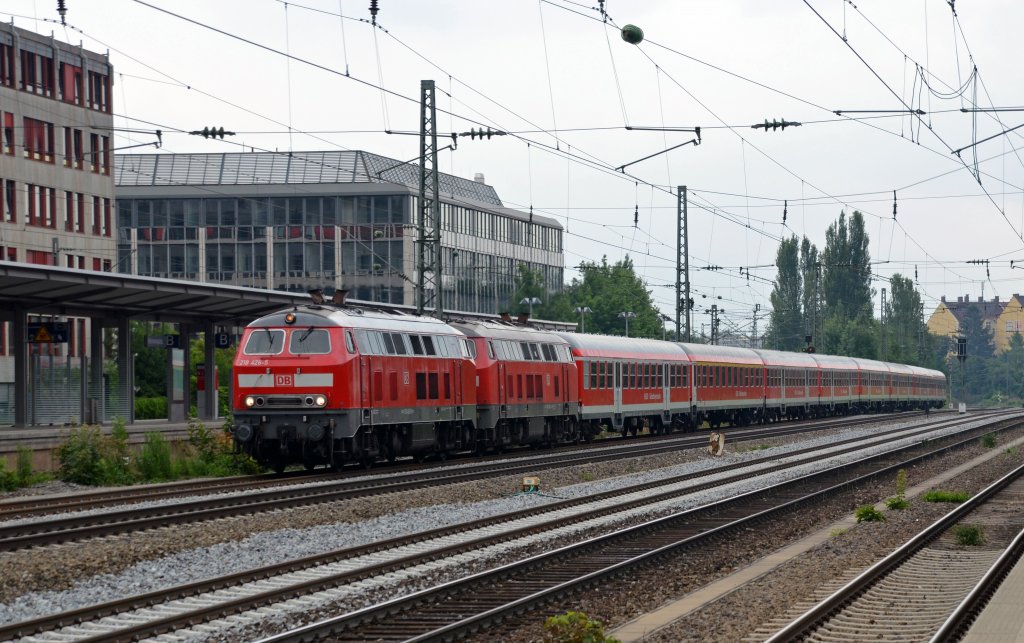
(222, 340)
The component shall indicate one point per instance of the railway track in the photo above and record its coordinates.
(398, 557)
(64, 528)
(929, 588)
(46, 505)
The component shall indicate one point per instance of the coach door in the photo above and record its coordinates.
(618, 387)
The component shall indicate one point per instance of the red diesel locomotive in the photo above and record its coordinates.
(332, 384)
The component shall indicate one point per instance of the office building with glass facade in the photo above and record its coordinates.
(305, 220)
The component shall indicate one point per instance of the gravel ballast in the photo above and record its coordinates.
(164, 557)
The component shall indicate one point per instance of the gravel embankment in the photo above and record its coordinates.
(737, 615)
(142, 562)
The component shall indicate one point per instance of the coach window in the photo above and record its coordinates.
(600, 375)
(592, 366)
(686, 371)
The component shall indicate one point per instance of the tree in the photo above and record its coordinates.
(980, 351)
(904, 325)
(529, 283)
(846, 268)
(810, 271)
(609, 289)
(785, 326)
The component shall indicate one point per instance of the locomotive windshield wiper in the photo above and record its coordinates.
(306, 334)
(270, 338)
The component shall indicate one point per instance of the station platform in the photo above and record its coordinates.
(44, 439)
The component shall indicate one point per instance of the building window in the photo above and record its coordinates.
(9, 133)
(70, 84)
(10, 201)
(94, 152)
(99, 90)
(38, 140)
(7, 65)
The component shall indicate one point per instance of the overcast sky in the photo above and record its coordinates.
(563, 80)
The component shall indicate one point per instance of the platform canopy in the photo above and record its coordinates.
(49, 290)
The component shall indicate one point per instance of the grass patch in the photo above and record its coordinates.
(838, 531)
(575, 627)
(1012, 451)
(969, 535)
(940, 495)
(587, 476)
(868, 513)
(989, 440)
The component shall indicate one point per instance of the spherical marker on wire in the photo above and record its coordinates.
(632, 34)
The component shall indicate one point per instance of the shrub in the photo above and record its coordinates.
(81, 456)
(587, 476)
(154, 461)
(150, 408)
(575, 627)
(23, 468)
(868, 513)
(946, 496)
(8, 479)
(969, 535)
(1012, 451)
(989, 440)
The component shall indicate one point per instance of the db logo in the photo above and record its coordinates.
(284, 380)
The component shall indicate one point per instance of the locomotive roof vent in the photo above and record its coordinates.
(339, 297)
(317, 296)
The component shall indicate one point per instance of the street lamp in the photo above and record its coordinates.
(627, 315)
(531, 301)
(583, 310)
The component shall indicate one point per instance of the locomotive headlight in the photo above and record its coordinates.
(250, 401)
(321, 400)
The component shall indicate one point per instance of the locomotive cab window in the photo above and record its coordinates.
(312, 341)
(265, 341)
(350, 343)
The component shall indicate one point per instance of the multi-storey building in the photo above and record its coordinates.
(304, 220)
(56, 179)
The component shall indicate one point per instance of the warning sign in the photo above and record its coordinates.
(48, 332)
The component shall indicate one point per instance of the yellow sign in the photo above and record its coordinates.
(43, 335)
